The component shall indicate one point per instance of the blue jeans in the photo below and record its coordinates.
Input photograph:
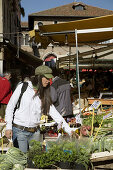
(22, 138)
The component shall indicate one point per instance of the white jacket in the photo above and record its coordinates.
(29, 112)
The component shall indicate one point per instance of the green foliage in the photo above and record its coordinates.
(18, 167)
(97, 120)
(72, 152)
(12, 157)
(83, 149)
(35, 149)
(101, 145)
(16, 156)
(6, 165)
(2, 157)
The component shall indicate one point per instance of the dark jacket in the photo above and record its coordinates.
(60, 94)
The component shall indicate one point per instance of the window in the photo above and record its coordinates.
(40, 23)
(50, 61)
(78, 7)
(24, 39)
(55, 22)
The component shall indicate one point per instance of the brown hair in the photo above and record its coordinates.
(43, 93)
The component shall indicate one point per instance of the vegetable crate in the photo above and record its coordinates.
(102, 160)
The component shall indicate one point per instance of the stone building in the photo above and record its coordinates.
(70, 12)
(12, 57)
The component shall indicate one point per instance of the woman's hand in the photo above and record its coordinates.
(8, 133)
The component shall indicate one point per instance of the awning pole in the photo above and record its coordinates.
(69, 60)
(77, 69)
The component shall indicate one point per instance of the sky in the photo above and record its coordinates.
(32, 6)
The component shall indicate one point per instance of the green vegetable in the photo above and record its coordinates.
(12, 157)
(18, 167)
(2, 157)
(6, 165)
(71, 152)
(16, 156)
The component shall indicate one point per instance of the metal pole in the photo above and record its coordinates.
(18, 41)
(77, 69)
(69, 60)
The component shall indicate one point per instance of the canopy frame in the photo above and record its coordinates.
(84, 31)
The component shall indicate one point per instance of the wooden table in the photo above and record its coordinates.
(103, 101)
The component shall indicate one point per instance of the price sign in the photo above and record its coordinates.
(78, 119)
(106, 116)
(95, 104)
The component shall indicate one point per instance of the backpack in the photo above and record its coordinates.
(23, 89)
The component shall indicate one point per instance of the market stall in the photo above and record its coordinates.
(88, 31)
(93, 134)
(100, 29)
(89, 146)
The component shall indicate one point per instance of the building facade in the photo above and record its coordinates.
(70, 12)
(9, 28)
(12, 57)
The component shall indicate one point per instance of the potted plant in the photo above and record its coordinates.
(63, 154)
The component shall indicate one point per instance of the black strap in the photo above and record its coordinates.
(56, 103)
(23, 89)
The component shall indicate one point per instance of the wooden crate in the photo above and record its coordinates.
(102, 160)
